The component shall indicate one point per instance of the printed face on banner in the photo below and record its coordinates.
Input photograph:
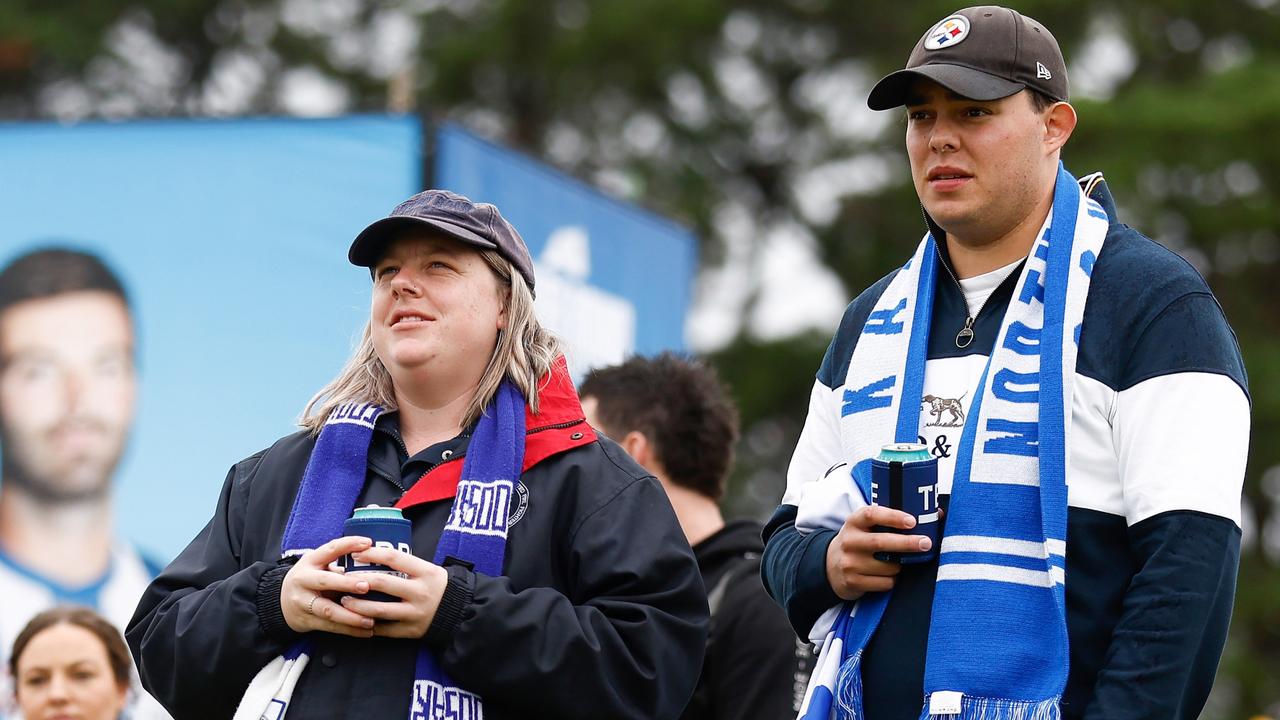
(67, 393)
(436, 307)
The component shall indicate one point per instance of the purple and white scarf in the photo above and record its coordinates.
(331, 484)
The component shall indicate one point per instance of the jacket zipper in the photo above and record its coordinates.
(557, 426)
(385, 476)
(529, 432)
(964, 338)
(388, 478)
(433, 466)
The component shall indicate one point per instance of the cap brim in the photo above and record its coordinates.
(369, 245)
(891, 91)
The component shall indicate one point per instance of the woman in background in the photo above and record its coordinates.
(69, 662)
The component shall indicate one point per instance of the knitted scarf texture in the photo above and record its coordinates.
(476, 532)
(997, 644)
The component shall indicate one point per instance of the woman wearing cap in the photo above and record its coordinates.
(548, 575)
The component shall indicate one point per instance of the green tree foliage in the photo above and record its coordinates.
(745, 119)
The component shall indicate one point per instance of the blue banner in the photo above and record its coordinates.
(613, 279)
(231, 239)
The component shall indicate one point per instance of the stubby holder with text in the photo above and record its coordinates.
(386, 527)
(904, 476)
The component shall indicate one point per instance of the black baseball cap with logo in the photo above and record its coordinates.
(981, 53)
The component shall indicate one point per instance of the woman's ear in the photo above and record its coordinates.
(123, 699)
(504, 298)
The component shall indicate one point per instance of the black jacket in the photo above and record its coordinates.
(601, 612)
(756, 668)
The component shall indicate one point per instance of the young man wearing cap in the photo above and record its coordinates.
(1086, 403)
(547, 577)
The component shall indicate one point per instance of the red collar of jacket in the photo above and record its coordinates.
(559, 425)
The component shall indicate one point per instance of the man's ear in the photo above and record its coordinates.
(1059, 123)
(639, 448)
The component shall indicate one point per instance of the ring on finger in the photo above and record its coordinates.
(311, 605)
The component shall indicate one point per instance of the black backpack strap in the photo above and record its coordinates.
(748, 561)
(700, 703)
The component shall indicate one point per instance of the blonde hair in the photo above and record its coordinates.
(524, 353)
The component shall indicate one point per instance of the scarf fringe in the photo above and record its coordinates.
(849, 688)
(981, 708)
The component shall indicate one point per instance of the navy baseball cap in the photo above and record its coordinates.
(452, 215)
(981, 53)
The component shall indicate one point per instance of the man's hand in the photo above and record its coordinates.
(309, 591)
(851, 568)
(419, 592)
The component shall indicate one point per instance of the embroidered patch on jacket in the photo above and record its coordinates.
(520, 506)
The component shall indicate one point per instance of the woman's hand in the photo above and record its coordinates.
(310, 589)
(420, 592)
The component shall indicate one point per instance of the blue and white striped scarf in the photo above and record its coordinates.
(331, 484)
(997, 636)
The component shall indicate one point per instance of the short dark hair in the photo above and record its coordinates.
(117, 653)
(1039, 101)
(53, 271)
(681, 406)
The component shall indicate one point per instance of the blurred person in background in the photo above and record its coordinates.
(548, 574)
(70, 664)
(1086, 403)
(675, 418)
(67, 396)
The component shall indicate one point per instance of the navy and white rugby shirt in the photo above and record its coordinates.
(1156, 464)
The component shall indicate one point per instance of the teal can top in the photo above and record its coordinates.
(375, 512)
(904, 453)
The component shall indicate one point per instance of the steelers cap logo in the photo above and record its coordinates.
(947, 33)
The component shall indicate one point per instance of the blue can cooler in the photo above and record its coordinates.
(386, 527)
(905, 477)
